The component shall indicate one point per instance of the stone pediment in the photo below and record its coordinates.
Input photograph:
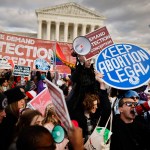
(70, 9)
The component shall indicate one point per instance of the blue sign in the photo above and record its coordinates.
(42, 64)
(124, 66)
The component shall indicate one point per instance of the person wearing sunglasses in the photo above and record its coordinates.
(129, 133)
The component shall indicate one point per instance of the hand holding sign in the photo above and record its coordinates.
(98, 76)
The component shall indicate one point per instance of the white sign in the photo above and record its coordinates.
(59, 104)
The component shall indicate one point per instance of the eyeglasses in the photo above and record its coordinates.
(130, 104)
(135, 97)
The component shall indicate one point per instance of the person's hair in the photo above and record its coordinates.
(13, 109)
(2, 80)
(26, 118)
(38, 75)
(49, 116)
(89, 99)
(30, 137)
(64, 88)
(49, 76)
(121, 102)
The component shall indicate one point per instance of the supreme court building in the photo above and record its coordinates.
(65, 22)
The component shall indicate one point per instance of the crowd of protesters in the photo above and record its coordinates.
(88, 100)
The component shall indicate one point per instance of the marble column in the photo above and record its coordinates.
(66, 24)
(57, 30)
(92, 28)
(48, 29)
(75, 30)
(83, 29)
(39, 29)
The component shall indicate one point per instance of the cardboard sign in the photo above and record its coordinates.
(21, 71)
(41, 101)
(99, 39)
(59, 103)
(125, 66)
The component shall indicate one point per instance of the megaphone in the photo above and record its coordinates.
(81, 45)
(58, 134)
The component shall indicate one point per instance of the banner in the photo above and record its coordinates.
(99, 39)
(124, 66)
(25, 50)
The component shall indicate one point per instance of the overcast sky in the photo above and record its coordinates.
(127, 20)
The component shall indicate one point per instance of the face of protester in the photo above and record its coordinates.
(5, 84)
(94, 108)
(127, 113)
(21, 104)
(37, 120)
(2, 115)
(88, 63)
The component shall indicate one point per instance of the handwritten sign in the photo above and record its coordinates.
(125, 66)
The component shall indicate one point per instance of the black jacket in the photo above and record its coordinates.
(7, 130)
(132, 136)
(83, 80)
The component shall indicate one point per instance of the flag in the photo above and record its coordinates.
(59, 53)
(58, 61)
(61, 59)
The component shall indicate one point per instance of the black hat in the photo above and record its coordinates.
(3, 101)
(14, 95)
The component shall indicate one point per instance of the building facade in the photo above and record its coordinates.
(65, 22)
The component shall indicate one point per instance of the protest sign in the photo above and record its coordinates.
(99, 39)
(59, 103)
(25, 50)
(21, 71)
(6, 64)
(125, 66)
(42, 64)
(41, 101)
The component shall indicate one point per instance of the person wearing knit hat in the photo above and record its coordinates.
(3, 105)
(126, 94)
(16, 102)
(15, 94)
(132, 94)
